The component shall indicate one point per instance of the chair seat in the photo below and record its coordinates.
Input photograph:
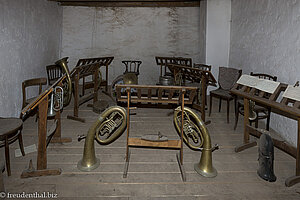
(223, 93)
(263, 112)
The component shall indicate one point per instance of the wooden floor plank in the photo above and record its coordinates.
(153, 173)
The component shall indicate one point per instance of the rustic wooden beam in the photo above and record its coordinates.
(131, 3)
(89, 1)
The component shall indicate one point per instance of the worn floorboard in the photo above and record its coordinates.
(153, 173)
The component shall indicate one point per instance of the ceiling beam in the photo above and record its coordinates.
(130, 3)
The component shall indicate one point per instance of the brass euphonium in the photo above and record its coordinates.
(67, 87)
(109, 126)
(196, 137)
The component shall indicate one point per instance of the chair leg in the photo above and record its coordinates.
(7, 158)
(220, 103)
(21, 143)
(256, 121)
(268, 119)
(228, 104)
(236, 116)
(210, 103)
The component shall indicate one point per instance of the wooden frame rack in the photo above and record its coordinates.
(285, 106)
(140, 97)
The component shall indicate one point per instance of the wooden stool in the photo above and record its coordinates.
(10, 131)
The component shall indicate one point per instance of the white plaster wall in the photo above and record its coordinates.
(218, 35)
(132, 33)
(30, 33)
(265, 37)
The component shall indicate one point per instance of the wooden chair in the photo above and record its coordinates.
(261, 112)
(132, 66)
(32, 82)
(10, 131)
(54, 72)
(130, 76)
(227, 78)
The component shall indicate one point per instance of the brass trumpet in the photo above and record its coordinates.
(109, 126)
(67, 87)
(196, 137)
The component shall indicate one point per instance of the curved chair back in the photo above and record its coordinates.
(32, 82)
(228, 77)
(54, 72)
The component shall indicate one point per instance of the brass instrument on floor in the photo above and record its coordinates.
(56, 102)
(109, 126)
(196, 137)
(252, 114)
(67, 87)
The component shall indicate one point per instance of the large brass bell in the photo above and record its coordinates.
(107, 128)
(196, 137)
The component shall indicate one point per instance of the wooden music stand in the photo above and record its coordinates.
(78, 73)
(287, 107)
(164, 61)
(149, 98)
(103, 61)
(195, 75)
(42, 103)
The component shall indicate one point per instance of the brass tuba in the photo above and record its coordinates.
(109, 126)
(67, 87)
(196, 137)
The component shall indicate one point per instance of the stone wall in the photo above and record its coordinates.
(139, 33)
(30, 35)
(265, 37)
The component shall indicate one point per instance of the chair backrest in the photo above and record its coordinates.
(54, 72)
(264, 76)
(202, 67)
(132, 66)
(228, 77)
(32, 82)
